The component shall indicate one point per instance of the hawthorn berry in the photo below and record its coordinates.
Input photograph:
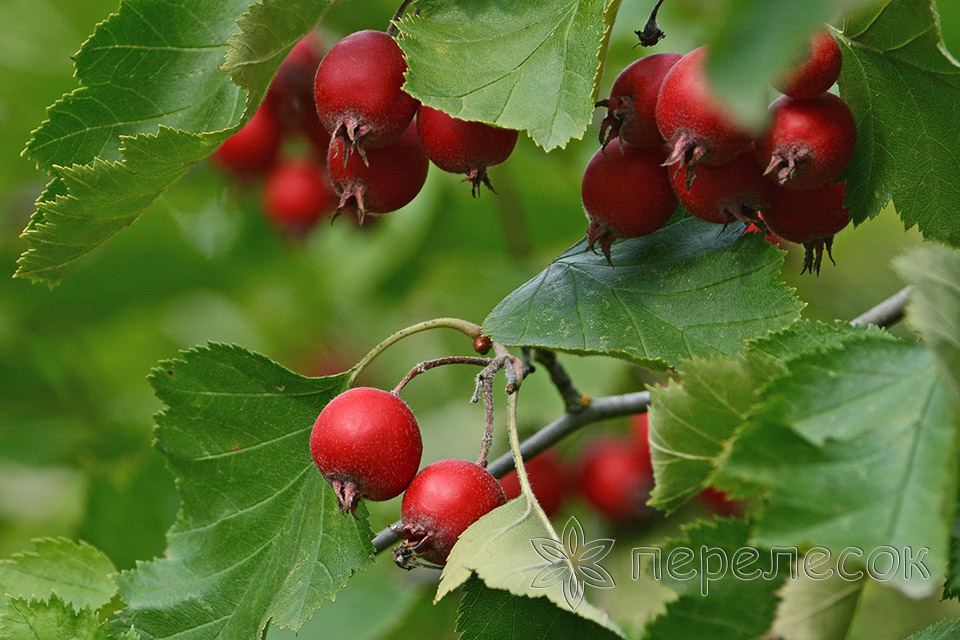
(810, 218)
(719, 503)
(366, 443)
(389, 179)
(253, 148)
(691, 119)
(358, 92)
(547, 480)
(615, 481)
(809, 142)
(724, 193)
(291, 90)
(632, 105)
(816, 72)
(460, 146)
(443, 500)
(626, 194)
(297, 193)
(640, 437)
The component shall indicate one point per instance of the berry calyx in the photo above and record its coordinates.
(443, 500)
(626, 194)
(460, 146)
(366, 444)
(253, 148)
(615, 481)
(809, 142)
(692, 121)
(482, 345)
(297, 193)
(632, 105)
(358, 92)
(547, 480)
(810, 218)
(724, 193)
(389, 179)
(818, 70)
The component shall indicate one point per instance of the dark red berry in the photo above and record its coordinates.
(626, 194)
(632, 105)
(810, 218)
(389, 179)
(719, 503)
(366, 443)
(438, 506)
(291, 91)
(482, 345)
(358, 91)
(691, 119)
(809, 142)
(640, 436)
(252, 149)
(818, 70)
(459, 146)
(615, 481)
(724, 193)
(547, 480)
(297, 193)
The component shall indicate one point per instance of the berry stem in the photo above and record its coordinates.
(439, 362)
(392, 29)
(470, 329)
(484, 387)
(651, 33)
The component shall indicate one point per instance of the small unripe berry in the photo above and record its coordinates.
(482, 345)
(253, 148)
(632, 105)
(818, 70)
(297, 193)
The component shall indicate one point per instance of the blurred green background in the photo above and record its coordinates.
(202, 265)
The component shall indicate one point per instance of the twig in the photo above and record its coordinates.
(439, 362)
(887, 313)
(651, 33)
(573, 400)
(392, 29)
(484, 387)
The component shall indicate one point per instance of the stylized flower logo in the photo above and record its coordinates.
(574, 563)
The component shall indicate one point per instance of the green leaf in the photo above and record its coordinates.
(498, 548)
(492, 614)
(259, 537)
(681, 292)
(153, 102)
(533, 68)
(892, 481)
(816, 609)
(720, 614)
(53, 620)
(903, 88)
(946, 629)
(75, 571)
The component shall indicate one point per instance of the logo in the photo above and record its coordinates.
(572, 563)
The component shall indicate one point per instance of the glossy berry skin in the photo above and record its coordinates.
(691, 119)
(726, 192)
(640, 437)
(818, 70)
(482, 345)
(440, 504)
(718, 503)
(626, 194)
(296, 193)
(615, 481)
(809, 142)
(459, 146)
(546, 475)
(810, 218)
(358, 91)
(389, 179)
(366, 443)
(253, 149)
(632, 105)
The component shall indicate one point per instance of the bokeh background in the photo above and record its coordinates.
(203, 265)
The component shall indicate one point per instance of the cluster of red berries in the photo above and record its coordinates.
(661, 113)
(366, 444)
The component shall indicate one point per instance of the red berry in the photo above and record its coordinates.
(358, 91)
(640, 435)
(438, 506)
(809, 142)
(252, 149)
(718, 502)
(482, 345)
(297, 193)
(546, 474)
(389, 179)
(626, 193)
(291, 91)
(632, 105)
(460, 146)
(810, 218)
(817, 72)
(615, 481)
(691, 119)
(724, 193)
(366, 443)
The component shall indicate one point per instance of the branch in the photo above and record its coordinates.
(887, 313)
(573, 400)
(599, 409)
